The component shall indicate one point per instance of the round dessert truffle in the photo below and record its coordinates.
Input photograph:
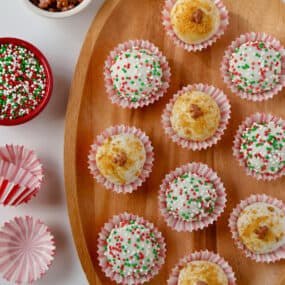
(262, 148)
(261, 227)
(120, 158)
(195, 21)
(202, 272)
(130, 249)
(191, 197)
(195, 116)
(255, 67)
(137, 74)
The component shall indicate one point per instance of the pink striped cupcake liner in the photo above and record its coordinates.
(127, 103)
(252, 37)
(202, 256)
(166, 21)
(201, 170)
(103, 262)
(147, 168)
(225, 109)
(26, 250)
(21, 175)
(258, 118)
(263, 258)
(17, 185)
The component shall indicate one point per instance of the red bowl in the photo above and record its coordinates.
(49, 81)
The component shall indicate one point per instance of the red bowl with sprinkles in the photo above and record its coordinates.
(26, 81)
(253, 66)
(259, 146)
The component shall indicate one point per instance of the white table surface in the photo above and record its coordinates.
(60, 40)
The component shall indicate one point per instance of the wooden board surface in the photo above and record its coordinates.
(90, 112)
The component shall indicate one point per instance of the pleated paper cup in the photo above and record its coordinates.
(26, 250)
(271, 257)
(253, 37)
(201, 170)
(17, 185)
(248, 122)
(166, 21)
(103, 262)
(225, 110)
(202, 256)
(21, 175)
(109, 85)
(147, 168)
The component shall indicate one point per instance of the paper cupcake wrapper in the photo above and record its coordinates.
(103, 235)
(116, 130)
(201, 170)
(264, 258)
(225, 109)
(26, 250)
(21, 175)
(258, 118)
(126, 103)
(250, 37)
(17, 186)
(204, 256)
(23, 158)
(166, 21)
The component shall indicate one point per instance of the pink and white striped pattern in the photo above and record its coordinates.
(116, 130)
(201, 170)
(248, 122)
(263, 258)
(251, 37)
(21, 175)
(126, 103)
(225, 109)
(166, 21)
(205, 256)
(26, 250)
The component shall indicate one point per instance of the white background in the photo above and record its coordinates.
(60, 40)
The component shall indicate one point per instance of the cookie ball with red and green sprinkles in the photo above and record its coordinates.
(255, 67)
(136, 74)
(130, 250)
(262, 148)
(22, 81)
(191, 197)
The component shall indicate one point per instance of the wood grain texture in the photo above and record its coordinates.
(90, 112)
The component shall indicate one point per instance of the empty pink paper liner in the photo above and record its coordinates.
(248, 124)
(138, 264)
(244, 93)
(136, 98)
(203, 256)
(147, 167)
(26, 250)
(225, 111)
(266, 257)
(192, 213)
(166, 21)
(21, 175)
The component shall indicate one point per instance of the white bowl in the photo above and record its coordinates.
(57, 15)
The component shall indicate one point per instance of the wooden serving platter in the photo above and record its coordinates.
(90, 112)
